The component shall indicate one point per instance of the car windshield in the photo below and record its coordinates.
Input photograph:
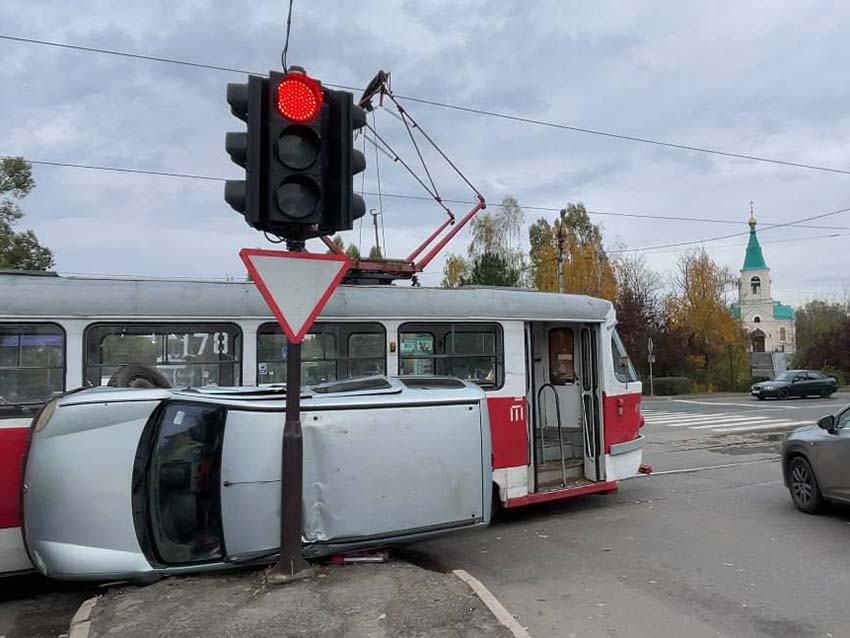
(185, 496)
(785, 376)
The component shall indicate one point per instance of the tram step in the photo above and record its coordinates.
(550, 472)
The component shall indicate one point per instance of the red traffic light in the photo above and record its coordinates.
(299, 97)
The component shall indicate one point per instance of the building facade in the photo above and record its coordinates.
(769, 323)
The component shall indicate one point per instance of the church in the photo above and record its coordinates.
(769, 323)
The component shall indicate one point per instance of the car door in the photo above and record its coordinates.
(831, 456)
(798, 385)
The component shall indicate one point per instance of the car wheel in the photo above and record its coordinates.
(825, 393)
(783, 394)
(761, 398)
(138, 376)
(804, 486)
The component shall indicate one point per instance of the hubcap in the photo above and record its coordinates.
(801, 484)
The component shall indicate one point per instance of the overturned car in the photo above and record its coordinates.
(136, 483)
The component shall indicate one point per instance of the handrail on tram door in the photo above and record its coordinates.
(560, 431)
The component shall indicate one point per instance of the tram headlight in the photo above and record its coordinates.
(44, 416)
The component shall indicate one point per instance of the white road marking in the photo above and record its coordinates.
(783, 404)
(493, 604)
(712, 421)
(681, 416)
(703, 468)
(764, 426)
(739, 421)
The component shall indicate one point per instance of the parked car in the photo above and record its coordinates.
(137, 483)
(814, 462)
(796, 383)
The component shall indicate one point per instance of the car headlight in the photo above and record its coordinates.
(44, 416)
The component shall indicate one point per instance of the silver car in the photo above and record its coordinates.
(138, 483)
(815, 462)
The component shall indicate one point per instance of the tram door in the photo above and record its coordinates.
(563, 380)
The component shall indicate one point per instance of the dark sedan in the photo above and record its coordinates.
(796, 383)
(814, 462)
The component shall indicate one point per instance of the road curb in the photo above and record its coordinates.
(81, 622)
(493, 604)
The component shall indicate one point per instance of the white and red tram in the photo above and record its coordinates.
(564, 399)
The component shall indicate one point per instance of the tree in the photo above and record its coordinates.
(375, 253)
(18, 250)
(495, 257)
(492, 269)
(814, 321)
(455, 270)
(587, 269)
(697, 311)
(353, 253)
(339, 243)
(638, 307)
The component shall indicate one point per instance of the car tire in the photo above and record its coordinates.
(761, 398)
(138, 376)
(782, 394)
(825, 393)
(803, 486)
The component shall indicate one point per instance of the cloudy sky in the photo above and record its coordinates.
(765, 79)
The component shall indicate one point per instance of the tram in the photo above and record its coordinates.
(563, 397)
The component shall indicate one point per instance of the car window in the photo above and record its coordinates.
(184, 483)
(843, 421)
(785, 376)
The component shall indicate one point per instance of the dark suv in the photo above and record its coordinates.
(796, 383)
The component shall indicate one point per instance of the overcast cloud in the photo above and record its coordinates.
(759, 78)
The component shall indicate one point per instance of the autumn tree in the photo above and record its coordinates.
(815, 320)
(586, 269)
(494, 255)
(19, 250)
(455, 270)
(638, 306)
(697, 310)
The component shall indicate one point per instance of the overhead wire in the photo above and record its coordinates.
(455, 107)
(382, 194)
(286, 41)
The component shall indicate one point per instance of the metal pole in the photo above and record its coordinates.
(291, 565)
(561, 240)
(651, 385)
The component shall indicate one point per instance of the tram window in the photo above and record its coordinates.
(469, 351)
(32, 367)
(329, 352)
(195, 354)
(623, 368)
(561, 351)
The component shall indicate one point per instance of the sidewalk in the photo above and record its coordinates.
(370, 600)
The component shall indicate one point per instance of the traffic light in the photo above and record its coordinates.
(341, 204)
(298, 156)
(246, 102)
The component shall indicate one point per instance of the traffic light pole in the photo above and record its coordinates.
(291, 565)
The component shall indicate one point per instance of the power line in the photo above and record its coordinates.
(713, 239)
(456, 107)
(209, 178)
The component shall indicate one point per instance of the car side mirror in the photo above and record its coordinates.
(827, 423)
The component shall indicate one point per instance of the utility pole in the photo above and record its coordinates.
(651, 359)
(561, 236)
(375, 224)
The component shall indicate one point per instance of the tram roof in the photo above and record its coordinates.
(30, 296)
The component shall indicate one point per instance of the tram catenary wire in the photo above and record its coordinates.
(455, 107)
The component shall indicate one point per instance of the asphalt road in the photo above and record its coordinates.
(703, 553)
(695, 552)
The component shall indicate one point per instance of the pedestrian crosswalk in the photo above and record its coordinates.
(731, 422)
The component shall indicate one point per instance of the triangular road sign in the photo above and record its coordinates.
(296, 286)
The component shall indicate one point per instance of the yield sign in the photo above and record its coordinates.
(296, 286)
